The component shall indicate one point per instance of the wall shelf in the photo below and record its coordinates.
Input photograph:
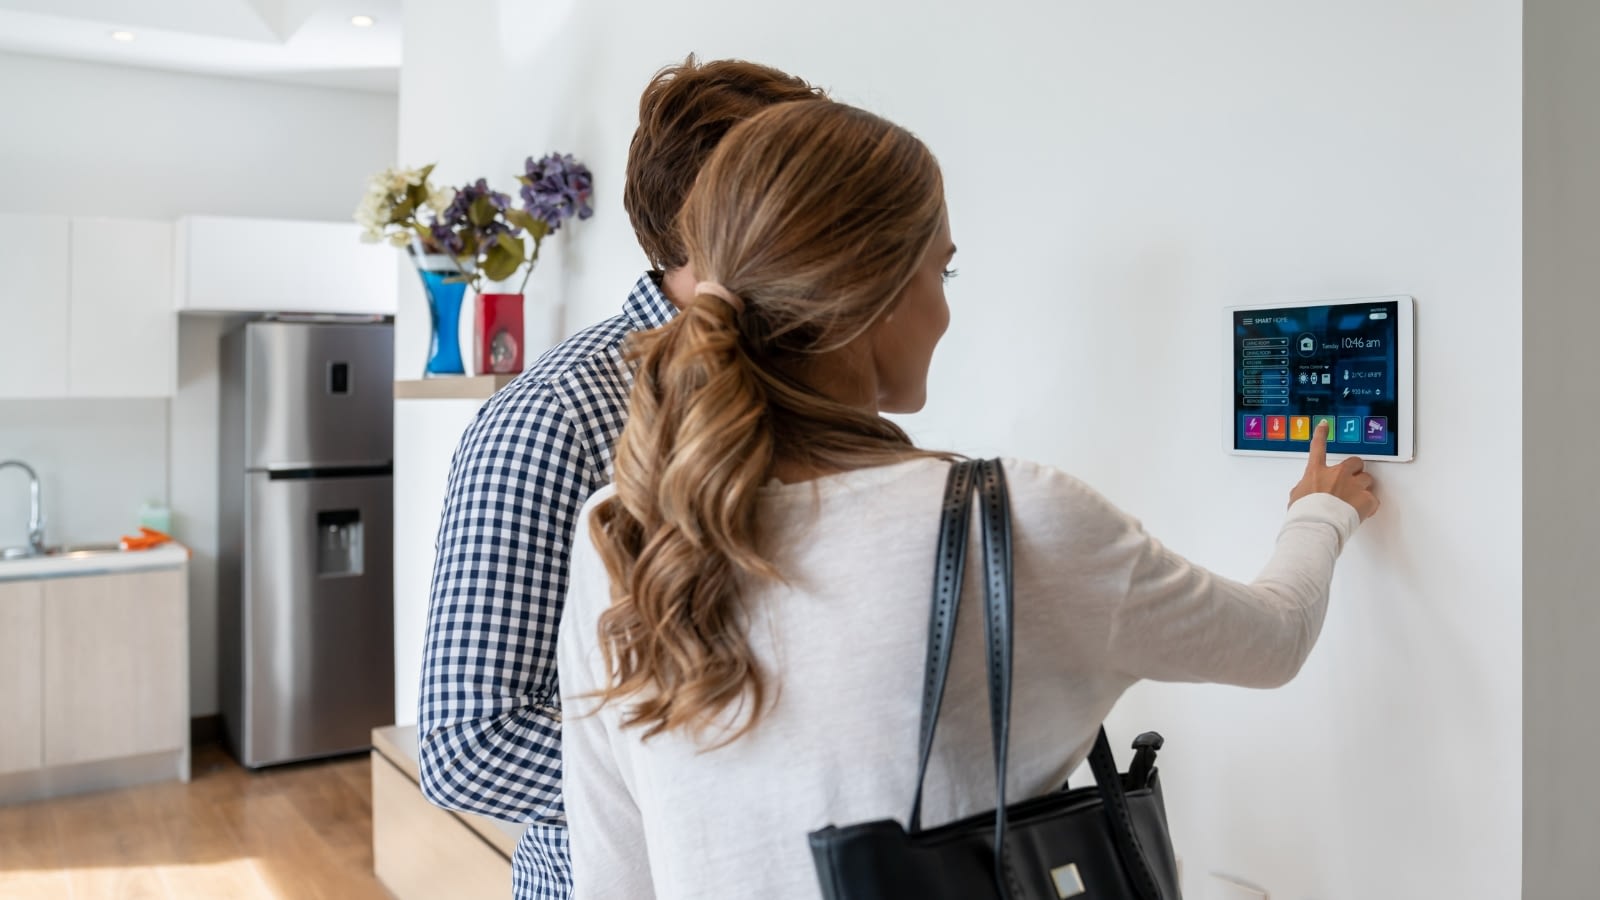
(456, 387)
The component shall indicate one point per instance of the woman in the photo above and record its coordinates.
(744, 634)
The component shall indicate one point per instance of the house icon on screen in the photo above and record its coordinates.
(1308, 344)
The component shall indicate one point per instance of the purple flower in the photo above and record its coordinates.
(458, 213)
(557, 188)
(447, 238)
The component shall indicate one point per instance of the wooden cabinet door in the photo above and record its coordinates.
(21, 695)
(123, 325)
(116, 661)
(33, 305)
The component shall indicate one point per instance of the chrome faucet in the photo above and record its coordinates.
(35, 508)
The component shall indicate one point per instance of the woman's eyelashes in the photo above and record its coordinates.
(948, 274)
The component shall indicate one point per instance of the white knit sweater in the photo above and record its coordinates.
(1099, 605)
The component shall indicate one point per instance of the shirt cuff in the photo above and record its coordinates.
(1328, 509)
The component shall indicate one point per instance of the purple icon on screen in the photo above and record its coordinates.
(1252, 428)
(1377, 430)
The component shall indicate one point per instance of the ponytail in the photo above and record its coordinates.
(680, 532)
(815, 217)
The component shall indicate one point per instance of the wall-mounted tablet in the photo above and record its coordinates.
(1346, 361)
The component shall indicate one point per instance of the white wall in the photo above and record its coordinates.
(1560, 319)
(1117, 174)
(97, 140)
(98, 462)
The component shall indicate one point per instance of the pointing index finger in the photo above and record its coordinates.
(1319, 447)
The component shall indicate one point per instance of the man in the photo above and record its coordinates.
(490, 721)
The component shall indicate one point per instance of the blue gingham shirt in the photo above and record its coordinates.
(490, 718)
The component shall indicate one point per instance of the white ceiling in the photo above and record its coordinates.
(295, 41)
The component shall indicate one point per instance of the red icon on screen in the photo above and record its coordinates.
(1277, 428)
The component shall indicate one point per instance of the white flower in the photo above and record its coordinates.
(440, 198)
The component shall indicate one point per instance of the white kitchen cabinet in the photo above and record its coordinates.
(123, 331)
(21, 647)
(116, 660)
(280, 265)
(33, 305)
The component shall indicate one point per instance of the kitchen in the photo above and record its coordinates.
(171, 187)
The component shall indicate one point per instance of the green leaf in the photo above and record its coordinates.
(482, 212)
(505, 256)
(469, 241)
(426, 171)
(525, 220)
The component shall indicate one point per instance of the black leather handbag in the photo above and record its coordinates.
(1106, 842)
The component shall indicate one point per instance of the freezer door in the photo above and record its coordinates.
(318, 616)
(318, 395)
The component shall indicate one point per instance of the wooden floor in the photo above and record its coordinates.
(297, 833)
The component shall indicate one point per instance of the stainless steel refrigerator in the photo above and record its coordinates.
(305, 563)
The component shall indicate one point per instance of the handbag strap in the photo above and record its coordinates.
(949, 573)
(995, 511)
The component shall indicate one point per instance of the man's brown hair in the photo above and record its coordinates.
(683, 115)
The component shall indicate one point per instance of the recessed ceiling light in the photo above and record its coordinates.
(123, 36)
(363, 21)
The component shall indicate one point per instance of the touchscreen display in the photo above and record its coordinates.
(1294, 367)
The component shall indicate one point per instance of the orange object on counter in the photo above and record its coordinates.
(147, 539)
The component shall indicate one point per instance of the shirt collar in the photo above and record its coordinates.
(647, 306)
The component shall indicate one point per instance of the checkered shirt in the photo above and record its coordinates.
(490, 717)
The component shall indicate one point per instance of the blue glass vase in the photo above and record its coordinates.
(442, 281)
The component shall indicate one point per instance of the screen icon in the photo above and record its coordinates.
(1254, 428)
(1277, 428)
(1327, 378)
(1377, 430)
(1333, 433)
(1300, 428)
(1308, 344)
(1349, 430)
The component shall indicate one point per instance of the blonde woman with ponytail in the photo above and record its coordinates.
(744, 634)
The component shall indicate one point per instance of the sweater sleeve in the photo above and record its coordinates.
(610, 858)
(1172, 620)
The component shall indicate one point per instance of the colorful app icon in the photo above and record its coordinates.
(1254, 427)
(1349, 430)
(1377, 430)
(1277, 428)
(1299, 428)
(1332, 426)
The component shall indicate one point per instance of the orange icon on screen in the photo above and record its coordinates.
(1277, 428)
(1300, 428)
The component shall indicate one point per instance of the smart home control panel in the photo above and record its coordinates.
(1346, 362)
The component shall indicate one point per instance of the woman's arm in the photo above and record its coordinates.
(610, 855)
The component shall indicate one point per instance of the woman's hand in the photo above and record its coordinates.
(1349, 480)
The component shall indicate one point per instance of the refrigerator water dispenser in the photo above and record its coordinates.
(339, 543)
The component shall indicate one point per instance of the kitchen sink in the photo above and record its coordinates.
(77, 551)
(70, 551)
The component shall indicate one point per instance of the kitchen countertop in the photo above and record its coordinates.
(167, 556)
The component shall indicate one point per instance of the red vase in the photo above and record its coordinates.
(498, 341)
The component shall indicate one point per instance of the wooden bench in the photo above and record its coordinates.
(422, 852)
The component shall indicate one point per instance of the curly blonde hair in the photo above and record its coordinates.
(814, 216)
